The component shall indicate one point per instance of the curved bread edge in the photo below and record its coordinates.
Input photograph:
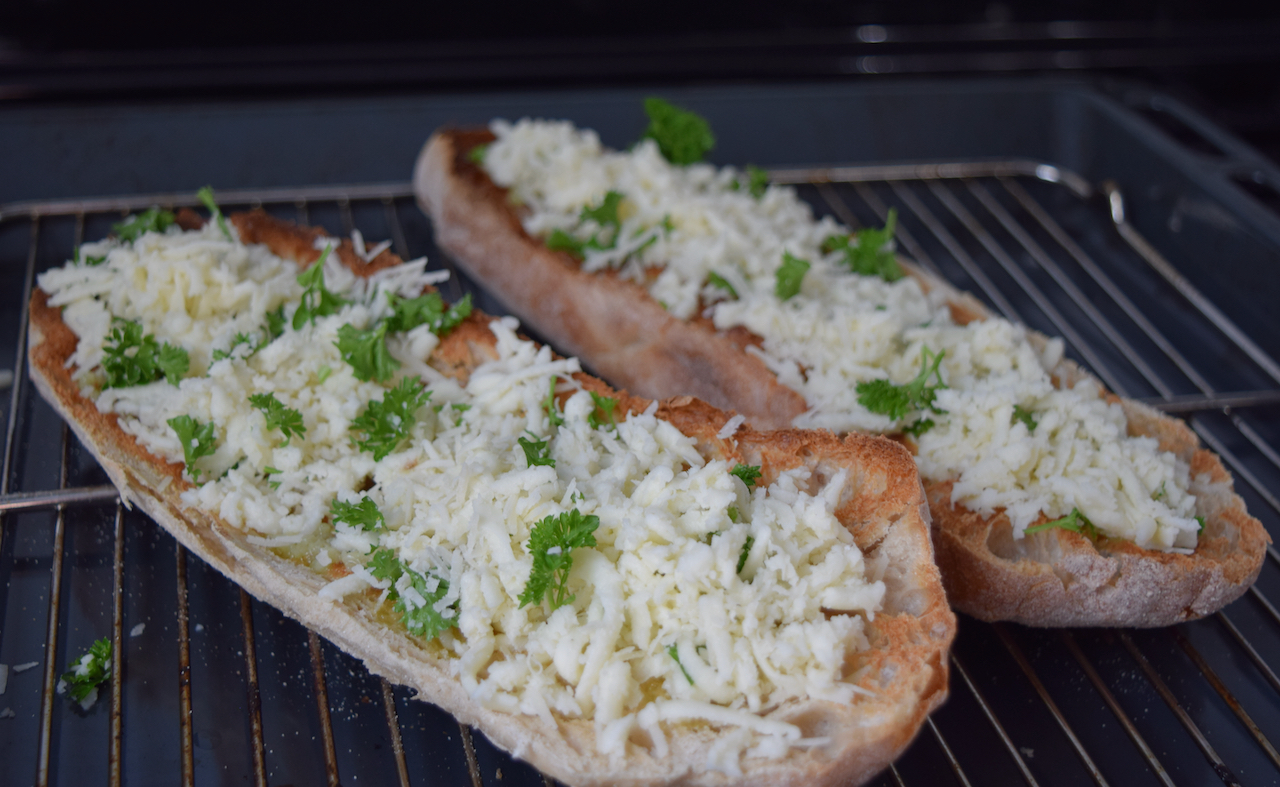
(905, 670)
(624, 335)
(1054, 578)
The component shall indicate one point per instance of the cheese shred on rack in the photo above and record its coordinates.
(995, 423)
(696, 598)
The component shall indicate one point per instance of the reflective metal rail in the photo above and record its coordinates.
(211, 685)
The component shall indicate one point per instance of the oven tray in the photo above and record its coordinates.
(1078, 217)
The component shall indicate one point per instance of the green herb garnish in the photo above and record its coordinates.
(683, 137)
(205, 195)
(602, 415)
(757, 181)
(197, 440)
(427, 309)
(919, 427)
(1076, 522)
(389, 421)
(150, 220)
(424, 620)
(317, 300)
(869, 252)
(895, 401)
(286, 419)
(732, 511)
(85, 674)
(131, 357)
(1024, 415)
(536, 452)
(364, 515)
(716, 280)
(789, 276)
(549, 404)
(477, 153)
(551, 543)
(1200, 519)
(745, 553)
(366, 352)
(750, 474)
(674, 653)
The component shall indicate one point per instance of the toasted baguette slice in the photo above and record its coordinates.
(1051, 578)
(904, 672)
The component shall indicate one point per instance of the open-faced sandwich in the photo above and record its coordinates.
(1054, 502)
(618, 590)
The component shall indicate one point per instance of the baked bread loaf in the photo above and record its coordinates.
(992, 569)
(889, 672)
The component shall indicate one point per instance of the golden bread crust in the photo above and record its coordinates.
(1054, 578)
(905, 670)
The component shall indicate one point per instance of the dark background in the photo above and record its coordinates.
(1222, 59)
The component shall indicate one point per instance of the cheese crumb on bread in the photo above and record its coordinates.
(679, 227)
(703, 600)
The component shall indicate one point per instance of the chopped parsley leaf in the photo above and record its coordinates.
(605, 215)
(683, 137)
(559, 240)
(241, 338)
(317, 300)
(551, 543)
(366, 351)
(1200, 519)
(150, 220)
(750, 474)
(536, 452)
(734, 516)
(757, 181)
(386, 423)
(895, 401)
(423, 620)
(92, 262)
(871, 253)
(286, 419)
(549, 404)
(604, 405)
(323, 373)
(1159, 493)
(85, 674)
(197, 440)
(131, 357)
(716, 280)
(270, 471)
(205, 195)
(275, 325)
(745, 553)
(789, 276)
(364, 514)
(674, 653)
(1076, 522)
(427, 309)
(1024, 415)
(385, 565)
(476, 154)
(919, 427)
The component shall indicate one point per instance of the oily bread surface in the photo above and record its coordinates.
(904, 671)
(1052, 578)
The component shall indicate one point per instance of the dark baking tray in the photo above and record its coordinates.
(1030, 706)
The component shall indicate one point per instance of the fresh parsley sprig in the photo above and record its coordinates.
(869, 253)
(150, 220)
(551, 542)
(895, 401)
(205, 195)
(750, 474)
(674, 653)
(536, 452)
(386, 423)
(1024, 415)
(197, 440)
(286, 419)
(789, 276)
(425, 620)
(757, 182)
(427, 309)
(716, 280)
(87, 673)
(601, 416)
(317, 300)
(131, 357)
(683, 137)
(549, 404)
(476, 154)
(92, 262)
(365, 515)
(745, 553)
(605, 215)
(366, 351)
(1076, 522)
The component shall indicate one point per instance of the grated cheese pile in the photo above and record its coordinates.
(664, 628)
(691, 224)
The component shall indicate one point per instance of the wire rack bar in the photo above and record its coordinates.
(322, 707)
(47, 695)
(393, 729)
(186, 737)
(1258, 662)
(948, 753)
(1215, 761)
(1226, 695)
(1101, 687)
(469, 749)
(255, 697)
(995, 722)
(116, 730)
(1018, 656)
(894, 173)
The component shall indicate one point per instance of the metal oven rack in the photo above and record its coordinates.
(213, 687)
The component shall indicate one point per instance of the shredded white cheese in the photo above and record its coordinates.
(685, 224)
(658, 597)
